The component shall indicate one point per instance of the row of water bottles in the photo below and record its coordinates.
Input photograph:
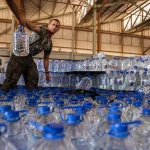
(98, 63)
(51, 118)
(121, 80)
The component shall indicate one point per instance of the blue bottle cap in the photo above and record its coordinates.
(146, 112)
(137, 103)
(115, 104)
(80, 110)
(119, 130)
(46, 96)
(32, 102)
(88, 105)
(128, 100)
(80, 97)
(43, 110)
(5, 108)
(104, 101)
(54, 131)
(11, 116)
(74, 118)
(59, 103)
(74, 101)
(114, 117)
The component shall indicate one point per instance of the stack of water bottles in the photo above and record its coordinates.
(129, 74)
(54, 119)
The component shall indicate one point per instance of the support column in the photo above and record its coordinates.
(122, 43)
(73, 33)
(98, 32)
(142, 44)
(94, 28)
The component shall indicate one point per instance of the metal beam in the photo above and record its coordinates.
(73, 31)
(146, 50)
(50, 17)
(94, 29)
(55, 3)
(4, 7)
(5, 31)
(5, 20)
(118, 3)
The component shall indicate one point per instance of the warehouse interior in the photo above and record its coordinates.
(115, 27)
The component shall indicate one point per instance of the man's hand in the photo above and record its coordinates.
(47, 77)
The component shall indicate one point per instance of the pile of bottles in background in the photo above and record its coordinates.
(132, 73)
(59, 119)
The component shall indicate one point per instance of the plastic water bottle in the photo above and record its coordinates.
(17, 133)
(77, 133)
(53, 138)
(20, 42)
(84, 84)
(5, 144)
(141, 133)
(130, 80)
(119, 138)
(43, 116)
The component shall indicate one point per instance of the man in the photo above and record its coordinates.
(40, 40)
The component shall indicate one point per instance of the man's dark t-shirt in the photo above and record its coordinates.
(39, 42)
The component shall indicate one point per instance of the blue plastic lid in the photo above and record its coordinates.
(59, 103)
(74, 101)
(118, 130)
(46, 96)
(128, 100)
(88, 105)
(20, 26)
(74, 118)
(32, 102)
(114, 117)
(135, 67)
(103, 101)
(115, 104)
(5, 108)
(137, 103)
(80, 97)
(10, 97)
(146, 111)
(43, 110)
(11, 116)
(80, 109)
(54, 131)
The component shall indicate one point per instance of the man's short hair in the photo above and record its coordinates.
(55, 20)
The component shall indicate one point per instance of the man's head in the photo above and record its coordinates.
(54, 26)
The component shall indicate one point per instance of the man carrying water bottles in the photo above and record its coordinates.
(40, 40)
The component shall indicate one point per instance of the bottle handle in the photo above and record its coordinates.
(101, 112)
(24, 113)
(3, 126)
(136, 122)
(37, 125)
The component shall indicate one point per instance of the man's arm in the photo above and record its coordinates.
(46, 66)
(13, 5)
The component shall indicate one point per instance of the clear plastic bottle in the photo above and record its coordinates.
(53, 138)
(119, 138)
(20, 42)
(140, 134)
(5, 144)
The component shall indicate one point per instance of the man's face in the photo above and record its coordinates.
(54, 26)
